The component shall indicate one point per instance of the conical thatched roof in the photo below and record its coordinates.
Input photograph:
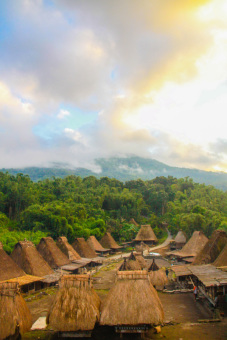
(146, 234)
(158, 278)
(134, 222)
(8, 268)
(180, 237)
(221, 260)
(141, 247)
(130, 263)
(212, 248)
(15, 316)
(95, 245)
(153, 267)
(51, 253)
(29, 259)
(67, 249)
(108, 242)
(132, 301)
(83, 249)
(76, 305)
(141, 261)
(194, 245)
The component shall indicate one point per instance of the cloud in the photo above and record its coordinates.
(62, 114)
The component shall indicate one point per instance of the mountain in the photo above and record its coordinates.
(125, 169)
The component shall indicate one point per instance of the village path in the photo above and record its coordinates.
(165, 243)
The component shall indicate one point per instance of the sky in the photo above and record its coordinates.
(84, 79)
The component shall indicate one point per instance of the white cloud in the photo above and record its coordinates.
(63, 114)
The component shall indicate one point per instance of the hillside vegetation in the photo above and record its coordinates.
(75, 207)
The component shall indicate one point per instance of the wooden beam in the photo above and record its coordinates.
(207, 296)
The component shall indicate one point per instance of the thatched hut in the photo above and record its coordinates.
(96, 246)
(132, 301)
(29, 259)
(194, 245)
(141, 260)
(180, 239)
(51, 253)
(146, 235)
(67, 249)
(157, 276)
(15, 317)
(132, 221)
(221, 260)
(83, 248)
(8, 268)
(108, 242)
(212, 248)
(141, 247)
(76, 306)
(130, 263)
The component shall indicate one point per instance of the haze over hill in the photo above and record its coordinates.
(126, 169)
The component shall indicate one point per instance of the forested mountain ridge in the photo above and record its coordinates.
(77, 207)
(125, 169)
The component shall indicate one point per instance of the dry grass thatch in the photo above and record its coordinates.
(76, 305)
(95, 245)
(212, 248)
(29, 259)
(129, 265)
(158, 278)
(83, 249)
(146, 233)
(141, 260)
(221, 260)
(8, 268)
(51, 253)
(132, 301)
(194, 245)
(108, 242)
(67, 249)
(141, 247)
(180, 237)
(15, 316)
(134, 222)
(153, 267)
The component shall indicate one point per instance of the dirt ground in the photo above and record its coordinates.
(180, 309)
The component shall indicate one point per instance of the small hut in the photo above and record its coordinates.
(76, 306)
(67, 249)
(51, 253)
(108, 242)
(132, 302)
(96, 246)
(221, 260)
(8, 268)
(212, 248)
(157, 276)
(130, 263)
(180, 239)
(191, 248)
(141, 260)
(141, 247)
(83, 248)
(15, 317)
(146, 235)
(29, 259)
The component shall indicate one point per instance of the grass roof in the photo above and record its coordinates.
(146, 233)
(153, 267)
(212, 248)
(51, 253)
(83, 249)
(67, 249)
(8, 268)
(194, 245)
(15, 316)
(29, 259)
(180, 237)
(95, 245)
(76, 305)
(158, 278)
(221, 260)
(141, 247)
(108, 242)
(132, 301)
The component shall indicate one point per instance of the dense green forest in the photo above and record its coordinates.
(126, 169)
(77, 207)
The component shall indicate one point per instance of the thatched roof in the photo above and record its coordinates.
(15, 316)
(158, 278)
(132, 301)
(153, 267)
(130, 263)
(212, 248)
(51, 253)
(180, 237)
(141, 261)
(194, 245)
(8, 268)
(146, 234)
(29, 259)
(141, 247)
(108, 242)
(221, 260)
(134, 222)
(83, 249)
(75, 306)
(67, 249)
(95, 245)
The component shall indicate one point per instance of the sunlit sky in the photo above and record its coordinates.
(83, 79)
